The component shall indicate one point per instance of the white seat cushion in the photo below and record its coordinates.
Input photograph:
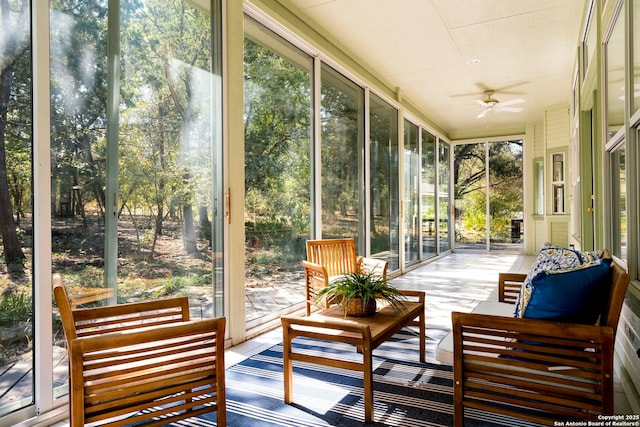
(444, 349)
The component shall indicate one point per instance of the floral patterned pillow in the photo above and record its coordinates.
(550, 258)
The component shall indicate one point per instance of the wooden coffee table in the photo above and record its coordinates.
(366, 333)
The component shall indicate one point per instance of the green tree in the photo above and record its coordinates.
(78, 102)
(504, 180)
(166, 53)
(15, 118)
(277, 138)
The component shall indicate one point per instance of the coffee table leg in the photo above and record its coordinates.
(423, 336)
(367, 383)
(287, 365)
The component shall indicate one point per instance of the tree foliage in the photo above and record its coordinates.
(504, 181)
(15, 124)
(277, 137)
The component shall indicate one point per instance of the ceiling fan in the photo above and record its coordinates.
(489, 103)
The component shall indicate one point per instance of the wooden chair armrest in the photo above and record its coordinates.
(509, 286)
(315, 278)
(312, 266)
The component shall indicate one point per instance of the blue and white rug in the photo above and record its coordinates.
(407, 393)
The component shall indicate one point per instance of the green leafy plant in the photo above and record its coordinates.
(368, 287)
(15, 308)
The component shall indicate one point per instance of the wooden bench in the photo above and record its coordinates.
(538, 370)
(145, 363)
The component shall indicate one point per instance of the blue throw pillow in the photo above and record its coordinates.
(549, 258)
(576, 295)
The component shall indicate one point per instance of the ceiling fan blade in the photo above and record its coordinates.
(482, 114)
(512, 102)
(510, 109)
(503, 89)
(482, 103)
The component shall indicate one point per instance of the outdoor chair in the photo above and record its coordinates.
(142, 363)
(330, 258)
(536, 369)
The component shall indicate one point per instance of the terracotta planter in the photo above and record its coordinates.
(355, 308)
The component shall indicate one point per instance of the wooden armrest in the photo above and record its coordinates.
(315, 278)
(314, 267)
(89, 295)
(509, 286)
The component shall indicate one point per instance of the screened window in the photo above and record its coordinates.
(589, 39)
(505, 196)
(383, 158)
(615, 84)
(619, 201)
(470, 192)
(442, 191)
(342, 136)
(538, 173)
(16, 210)
(411, 192)
(557, 183)
(136, 154)
(428, 194)
(635, 28)
(277, 129)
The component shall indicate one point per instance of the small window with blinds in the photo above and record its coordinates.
(557, 183)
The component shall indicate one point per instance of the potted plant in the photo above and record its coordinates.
(357, 293)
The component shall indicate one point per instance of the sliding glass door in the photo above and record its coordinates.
(442, 191)
(488, 191)
(16, 210)
(384, 187)
(278, 146)
(341, 157)
(410, 203)
(470, 196)
(428, 195)
(136, 150)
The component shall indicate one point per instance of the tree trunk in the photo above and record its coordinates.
(12, 248)
(189, 231)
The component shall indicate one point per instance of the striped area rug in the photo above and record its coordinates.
(407, 393)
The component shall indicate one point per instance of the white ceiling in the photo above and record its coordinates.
(527, 49)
